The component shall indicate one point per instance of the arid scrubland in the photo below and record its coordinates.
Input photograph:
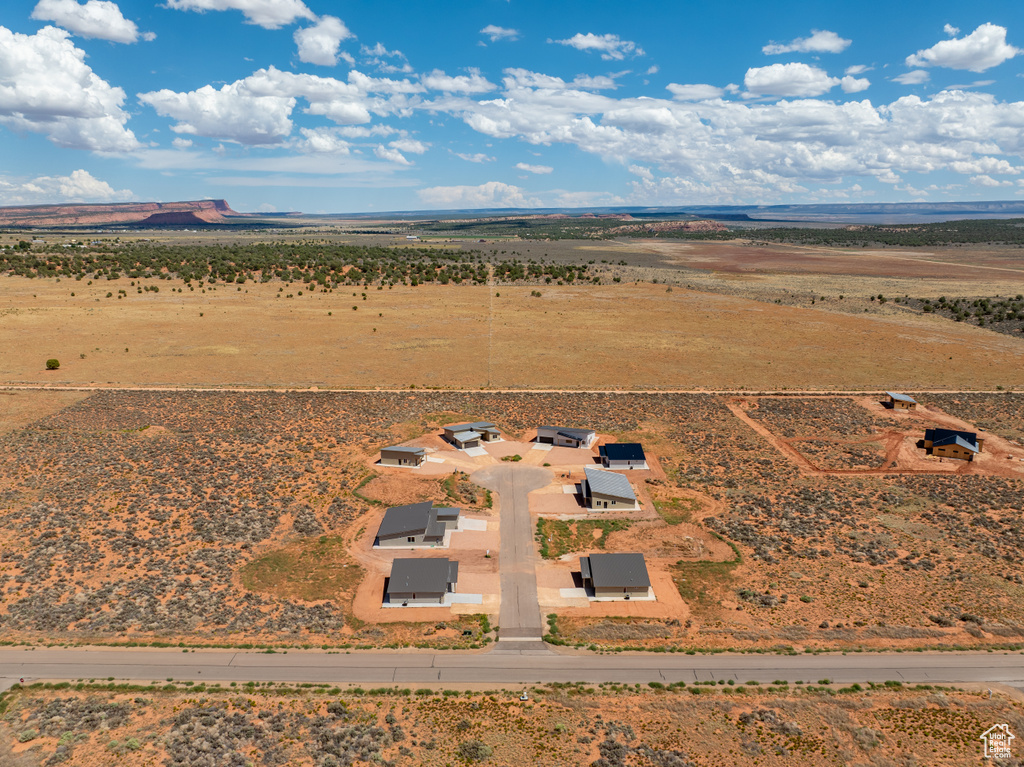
(801, 723)
(220, 517)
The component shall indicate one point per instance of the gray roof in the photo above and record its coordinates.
(425, 576)
(615, 570)
(609, 483)
(942, 437)
(901, 397)
(573, 433)
(475, 426)
(405, 520)
(402, 449)
(466, 436)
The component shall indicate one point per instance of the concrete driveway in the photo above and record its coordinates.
(519, 616)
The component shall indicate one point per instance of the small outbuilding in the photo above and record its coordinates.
(418, 524)
(605, 490)
(565, 437)
(467, 435)
(901, 401)
(616, 576)
(422, 581)
(403, 456)
(624, 455)
(948, 443)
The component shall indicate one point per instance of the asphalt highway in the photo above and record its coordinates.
(507, 663)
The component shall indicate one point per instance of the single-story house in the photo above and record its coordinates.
(604, 490)
(402, 456)
(418, 524)
(465, 435)
(564, 437)
(901, 401)
(422, 581)
(624, 455)
(948, 443)
(616, 575)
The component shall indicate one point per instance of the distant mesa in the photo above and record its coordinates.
(144, 214)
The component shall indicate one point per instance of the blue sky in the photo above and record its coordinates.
(363, 106)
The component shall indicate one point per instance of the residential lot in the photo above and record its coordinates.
(233, 518)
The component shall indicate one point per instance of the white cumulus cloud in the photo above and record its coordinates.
(269, 14)
(409, 145)
(820, 41)
(540, 170)
(80, 186)
(695, 91)
(984, 48)
(474, 82)
(915, 77)
(391, 155)
(319, 44)
(854, 84)
(46, 87)
(493, 194)
(496, 33)
(611, 47)
(99, 19)
(794, 80)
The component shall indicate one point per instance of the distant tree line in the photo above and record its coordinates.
(320, 264)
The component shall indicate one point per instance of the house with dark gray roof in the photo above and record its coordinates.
(565, 437)
(415, 525)
(948, 443)
(624, 455)
(899, 401)
(605, 490)
(467, 435)
(616, 576)
(402, 456)
(421, 581)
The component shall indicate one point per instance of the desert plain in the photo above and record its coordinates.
(201, 470)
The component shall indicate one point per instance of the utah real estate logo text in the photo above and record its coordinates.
(997, 739)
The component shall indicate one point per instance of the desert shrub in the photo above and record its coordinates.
(52, 364)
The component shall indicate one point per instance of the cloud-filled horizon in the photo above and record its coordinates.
(307, 105)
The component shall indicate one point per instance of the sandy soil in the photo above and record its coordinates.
(801, 725)
(463, 336)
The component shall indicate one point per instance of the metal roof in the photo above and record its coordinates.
(466, 436)
(941, 437)
(401, 449)
(957, 438)
(425, 576)
(901, 397)
(622, 451)
(608, 483)
(616, 570)
(574, 433)
(404, 520)
(475, 426)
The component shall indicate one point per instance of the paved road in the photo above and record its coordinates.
(501, 667)
(520, 611)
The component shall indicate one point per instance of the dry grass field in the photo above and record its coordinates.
(619, 336)
(799, 723)
(124, 512)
